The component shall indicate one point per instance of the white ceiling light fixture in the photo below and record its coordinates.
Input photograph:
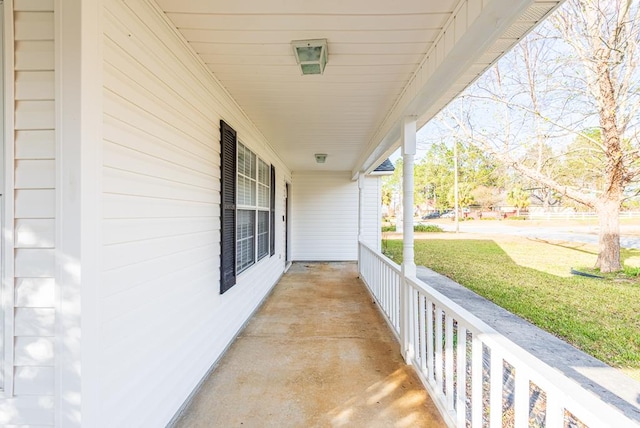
(311, 55)
(321, 157)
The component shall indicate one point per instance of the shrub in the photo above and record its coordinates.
(427, 228)
(416, 228)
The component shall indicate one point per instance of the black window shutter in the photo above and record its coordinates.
(272, 225)
(228, 148)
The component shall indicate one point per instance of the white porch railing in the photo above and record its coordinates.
(475, 375)
(383, 278)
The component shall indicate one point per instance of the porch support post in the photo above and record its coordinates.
(360, 217)
(79, 89)
(408, 136)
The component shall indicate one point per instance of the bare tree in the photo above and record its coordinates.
(576, 73)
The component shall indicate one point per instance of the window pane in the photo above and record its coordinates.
(242, 190)
(252, 165)
(245, 235)
(263, 196)
(252, 195)
(246, 177)
(264, 178)
(242, 159)
(263, 173)
(263, 234)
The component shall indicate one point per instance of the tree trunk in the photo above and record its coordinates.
(609, 236)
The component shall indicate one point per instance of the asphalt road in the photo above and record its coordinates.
(586, 234)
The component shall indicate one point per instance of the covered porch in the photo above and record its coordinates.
(317, 353)
(162, 171)
(326, 348)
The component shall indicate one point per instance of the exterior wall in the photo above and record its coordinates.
(162, 319)
(324, 217)
(372, 212)
(30, 356)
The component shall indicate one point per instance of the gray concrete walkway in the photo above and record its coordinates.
(317, 354)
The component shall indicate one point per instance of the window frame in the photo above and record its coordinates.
(257, 176)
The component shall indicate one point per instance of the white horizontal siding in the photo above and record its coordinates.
(371, 216)
(35, 292)
(30, 25)
(163, 321)
(27, 410)
(38, 144)
(34, 220)
(34, 233)
(35, 174)
(34, 55)
(35, 203)
(34, 351)
(35, 114)
(34, 381)
(34, 322)
(324, 217)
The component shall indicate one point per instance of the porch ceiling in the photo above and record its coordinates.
(379, 53)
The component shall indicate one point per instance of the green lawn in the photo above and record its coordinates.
(532, 279)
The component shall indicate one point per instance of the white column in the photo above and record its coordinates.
(79, 90)
(360, 215)
(408, 137)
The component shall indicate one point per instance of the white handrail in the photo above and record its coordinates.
(436, 323)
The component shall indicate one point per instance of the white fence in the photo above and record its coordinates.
(475, 375)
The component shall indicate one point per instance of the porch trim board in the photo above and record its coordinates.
(8, 281)
(435, 325)
(79, 158)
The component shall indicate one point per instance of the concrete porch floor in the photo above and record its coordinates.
(317, 354)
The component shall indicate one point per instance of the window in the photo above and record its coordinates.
(252, 230)
(247, 208)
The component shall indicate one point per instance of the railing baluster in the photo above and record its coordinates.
(423, 334)
(476, 382)
(438, 338)
(495, 382)
(521, 398)
(448, 366)
(390, 301)
(396, 299)
(461, 381)
(555, 411)
(430, 339)
(415, 321)
(384, 293)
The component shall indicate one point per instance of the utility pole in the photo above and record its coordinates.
(455, 185)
